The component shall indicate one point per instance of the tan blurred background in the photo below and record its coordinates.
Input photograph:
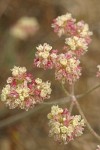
(21, 130)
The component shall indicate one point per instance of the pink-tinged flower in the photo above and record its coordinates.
(98, 72)
(78, 33)
(64, 24)
(77, 45)
(45, 57)
(67, 68)
(64, 127)
(82, 30)
(23, 91)
(98, 147)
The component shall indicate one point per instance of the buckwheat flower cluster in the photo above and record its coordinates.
(77, 45)
(67, 68)
(64, 24)
(82, 30)
(64, 127)
(98, 147)
(98, 72)
(23, 91)
(81, 39)
(45, 56)
(78, 33)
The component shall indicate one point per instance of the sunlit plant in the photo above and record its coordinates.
(23, 91)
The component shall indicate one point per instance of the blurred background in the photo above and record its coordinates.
(24, 24)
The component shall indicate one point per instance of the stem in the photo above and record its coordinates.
(74, 100)
(88, 91)
(58, 101)
(20, 116)
(71, 107)
(67, 93)
(87, 123)
(72, 89)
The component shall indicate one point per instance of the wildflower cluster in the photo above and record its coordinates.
(76, 44)
(67, 64)
(67, 68)
(78, 33)
(23, 91)
(64, 127)
(64, 24)
(45, 56)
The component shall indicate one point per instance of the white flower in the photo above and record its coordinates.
(17, 101)
(62, 19)
(70, 129)
(38, 81)
(63, 137)
(44, 54)
(84, 29)
(76, 42)
(53, 55)
(63, 62)
(18, 70)
(6, 89)
(21, 97)
(9, 80)
(63, 129)
(43, 93)
(22, 70)
(55, 110)
(44, 47)
(3, 97)
(56, 130)
(75, 121)
(15, 71)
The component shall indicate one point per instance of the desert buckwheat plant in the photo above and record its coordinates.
(24, 91)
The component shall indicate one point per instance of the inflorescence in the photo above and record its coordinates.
(23, 91)
(64, 127)
(78, 34)
(67, 64)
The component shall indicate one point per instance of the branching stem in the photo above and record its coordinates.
(87, 123)
(88, 91)
(74, 101)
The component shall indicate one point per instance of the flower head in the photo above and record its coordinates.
(78, 33)
(82, 30)
(67, 68)
(23, 91)
(77, 45)
(64, 127)
(18, 71)
(64, 24)
(45, 58)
